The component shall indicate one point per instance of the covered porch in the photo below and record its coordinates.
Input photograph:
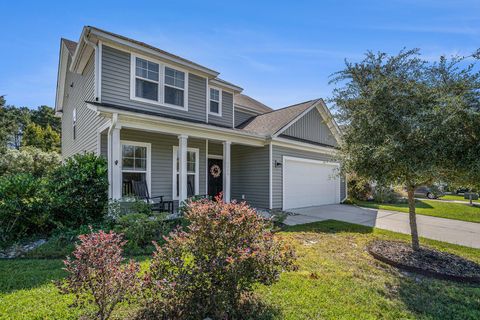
(173, 162)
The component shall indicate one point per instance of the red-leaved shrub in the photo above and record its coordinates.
(209, 269)
(96, 274)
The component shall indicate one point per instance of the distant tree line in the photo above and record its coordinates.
(22, 126)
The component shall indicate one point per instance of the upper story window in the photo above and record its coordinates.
(155, 82)
(215, 99)
(74, 122)
(174, 87)
(146, 79)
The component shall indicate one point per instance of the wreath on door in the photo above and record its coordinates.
(215, 171)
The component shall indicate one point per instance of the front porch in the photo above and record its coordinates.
(179, 166)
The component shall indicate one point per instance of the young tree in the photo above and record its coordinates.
(409, 121)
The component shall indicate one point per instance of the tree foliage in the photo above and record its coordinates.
(29, 160)
(409, 121)
(41, 123)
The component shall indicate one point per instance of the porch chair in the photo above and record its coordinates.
(140, 190)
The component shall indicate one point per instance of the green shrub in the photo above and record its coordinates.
(79, 191)
(140, 230)
(359, 188)
(29, 160)
(384, 194)
(22, 207)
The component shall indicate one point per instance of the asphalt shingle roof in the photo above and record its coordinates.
(242, 100)
(271, 122)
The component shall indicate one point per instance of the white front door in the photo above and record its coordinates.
(309, 183)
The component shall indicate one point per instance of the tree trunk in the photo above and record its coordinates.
(470, 197)
(413, 218)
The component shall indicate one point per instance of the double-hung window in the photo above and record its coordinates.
(158, 83)
(74, 123)
(215, 101)
(135, 165)
(174, 92)
(192, 172)
(146, 79)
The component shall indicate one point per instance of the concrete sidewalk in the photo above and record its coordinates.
(448, 230)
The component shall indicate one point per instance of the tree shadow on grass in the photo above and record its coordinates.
(328, 226)
(439, 299)
(24, 274)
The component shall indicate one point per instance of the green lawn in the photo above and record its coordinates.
(456, 197)
(336, 279)
(449, 210)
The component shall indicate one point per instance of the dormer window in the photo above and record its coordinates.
(146, 79)
(174, 87)
(215, 107)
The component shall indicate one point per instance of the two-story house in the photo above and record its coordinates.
(176, 125)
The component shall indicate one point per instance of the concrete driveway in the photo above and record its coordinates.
(448, 230)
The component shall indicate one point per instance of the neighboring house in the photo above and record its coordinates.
(173, 123)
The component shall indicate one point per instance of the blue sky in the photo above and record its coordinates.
(280, 52)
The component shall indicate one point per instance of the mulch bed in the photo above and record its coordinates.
(426, 261)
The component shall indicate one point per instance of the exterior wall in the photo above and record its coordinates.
(104, 144)
(241, 117)
(162, 159)
(311, 127)
(116, 88)
(250, 175)
(215, 148)
(227, 111)
(277, 173)
(78, 89)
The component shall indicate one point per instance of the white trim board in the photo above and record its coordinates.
(175, 171)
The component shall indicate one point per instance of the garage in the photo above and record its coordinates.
(309, 183)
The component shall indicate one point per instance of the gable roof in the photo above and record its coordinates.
(271, 122)
(248, 103)
(71, 46)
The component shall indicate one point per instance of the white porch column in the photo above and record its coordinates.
(115, 163)
(226, 170)
(182, 167)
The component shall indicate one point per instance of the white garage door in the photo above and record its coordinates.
(309, 183)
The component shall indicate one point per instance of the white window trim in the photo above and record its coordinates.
(219, 114)
(175, 171)
(161, 83)
(148, 173)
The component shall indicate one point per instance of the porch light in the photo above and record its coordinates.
(277, 164)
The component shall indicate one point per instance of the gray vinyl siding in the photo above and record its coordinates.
(104, 144)
(162, 159)
(116, 88)
(251, 175)
(277, 173)
(311, 127)
(227, 111)
(215, 148)
(78, 89)
(241, 117)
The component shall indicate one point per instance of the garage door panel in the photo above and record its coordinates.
(309, 183)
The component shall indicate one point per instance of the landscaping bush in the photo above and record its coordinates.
(140, 230)
(358, 188)
(79, 190)
(29, 160)
(384, 194)
(96, 274)
(209, 270)
(22, 208)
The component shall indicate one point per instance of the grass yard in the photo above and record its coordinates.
(336, 279)
(456, 197)
(449, 210)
